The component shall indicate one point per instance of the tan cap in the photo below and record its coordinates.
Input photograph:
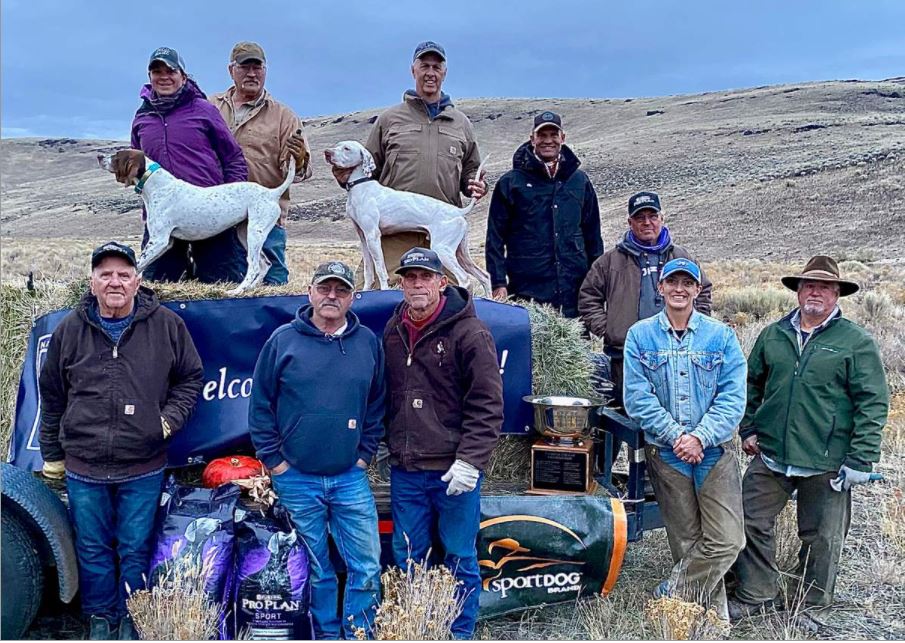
(245, 51)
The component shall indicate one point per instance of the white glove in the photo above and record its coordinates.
(849, 477)
(462, 477)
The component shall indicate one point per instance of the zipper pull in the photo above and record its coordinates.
(115, 351)
(408, 362)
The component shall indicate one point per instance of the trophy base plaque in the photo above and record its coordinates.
(560, 467)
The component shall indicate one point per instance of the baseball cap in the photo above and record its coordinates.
(245, 51)
(169, 56)
(420, 258)
(681, 265)
(334, 270)
(112, 249)
(429, 47)
(548, 118)
(643, 201)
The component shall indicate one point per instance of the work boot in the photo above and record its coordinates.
(127, 631)
(99, 629)
(740, 609)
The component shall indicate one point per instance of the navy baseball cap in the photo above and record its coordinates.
(429, 47)
(170, 57)
(681, 265)
(548, 118)
(334, 270)
(112, 249)
(643, 201)
(420, 258)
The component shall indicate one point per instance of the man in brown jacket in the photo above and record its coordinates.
(443, 419)
(425, 145)
(268, 133)
(621, 286)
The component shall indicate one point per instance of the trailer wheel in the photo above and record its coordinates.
(22, 577)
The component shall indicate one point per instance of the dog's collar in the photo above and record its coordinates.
(144, 177)
(352, 184)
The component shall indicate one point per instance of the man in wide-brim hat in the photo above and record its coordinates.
(817, 404)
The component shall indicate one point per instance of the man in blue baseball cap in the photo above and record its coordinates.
(685, 385)
(424, 145)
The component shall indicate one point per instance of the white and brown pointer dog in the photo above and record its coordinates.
(179, 210)
(376, 210)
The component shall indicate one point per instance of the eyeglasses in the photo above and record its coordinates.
(341, 291)
(247, 67)
(646, 217)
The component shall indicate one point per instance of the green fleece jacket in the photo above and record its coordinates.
(820, 409)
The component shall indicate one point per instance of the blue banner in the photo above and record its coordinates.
(229, 334)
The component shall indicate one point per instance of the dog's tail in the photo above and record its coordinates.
(470, 206)
(278, 190)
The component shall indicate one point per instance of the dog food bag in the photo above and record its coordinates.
(195, 526)
(271, 592)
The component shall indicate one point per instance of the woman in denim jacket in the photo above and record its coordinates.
(685, 378)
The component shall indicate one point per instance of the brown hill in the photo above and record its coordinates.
(776, 172)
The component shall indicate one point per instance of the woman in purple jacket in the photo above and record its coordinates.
(177, 127)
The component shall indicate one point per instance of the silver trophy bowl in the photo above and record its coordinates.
(561, 418)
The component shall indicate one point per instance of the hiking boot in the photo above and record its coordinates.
(127, 631)
(662, 590)
(740, 609)
(99, 629)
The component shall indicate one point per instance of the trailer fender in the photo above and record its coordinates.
(48, 514)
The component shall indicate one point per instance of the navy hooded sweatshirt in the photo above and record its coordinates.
(318, 400)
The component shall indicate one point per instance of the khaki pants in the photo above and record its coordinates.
(824, 517)
(704, 526)
(394, 246)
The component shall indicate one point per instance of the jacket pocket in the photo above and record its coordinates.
(654, 363)
(706, 368)
(321, 442)
(452, 142)
(426, 434)
(137, 432)
(84, 428)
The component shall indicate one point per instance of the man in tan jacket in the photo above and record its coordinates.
(425, 145)
(268, 133)
(621, 286)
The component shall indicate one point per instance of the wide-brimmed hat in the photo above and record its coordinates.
(821, 268)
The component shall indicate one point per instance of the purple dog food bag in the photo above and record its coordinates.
(196, 525)
(271, 589)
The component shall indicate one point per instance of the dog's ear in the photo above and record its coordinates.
(129, 165)
(120, 165)
(367, 161)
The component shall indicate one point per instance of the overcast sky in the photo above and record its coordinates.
(74, 68)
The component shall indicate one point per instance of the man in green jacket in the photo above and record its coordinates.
(817, 404)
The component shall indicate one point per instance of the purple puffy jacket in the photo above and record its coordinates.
(191, 141)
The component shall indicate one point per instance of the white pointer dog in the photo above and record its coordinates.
(179, 210)
(377, 210)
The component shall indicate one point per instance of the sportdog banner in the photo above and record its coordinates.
(229, 334)
(534, 550)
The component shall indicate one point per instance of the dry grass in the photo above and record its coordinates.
(419, 604)
(680, 620)
(177, 608)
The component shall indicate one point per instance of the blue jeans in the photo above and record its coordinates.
(275, 251)
(220, 258)
(114, 529)
(344, 504)
(418, 498)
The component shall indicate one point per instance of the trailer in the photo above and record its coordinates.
(38, 549)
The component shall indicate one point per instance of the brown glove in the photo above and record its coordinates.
(54, 470)
(299, 151)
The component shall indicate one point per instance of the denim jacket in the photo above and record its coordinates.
(696, 385)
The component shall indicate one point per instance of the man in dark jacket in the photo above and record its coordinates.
(817, 404)
(121, 376)
(621, 286)
(543, 230)
(443, 421)
(177, 127)
(316, 416)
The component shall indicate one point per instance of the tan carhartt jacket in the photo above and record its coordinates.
(262, 135)
(433, 157)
